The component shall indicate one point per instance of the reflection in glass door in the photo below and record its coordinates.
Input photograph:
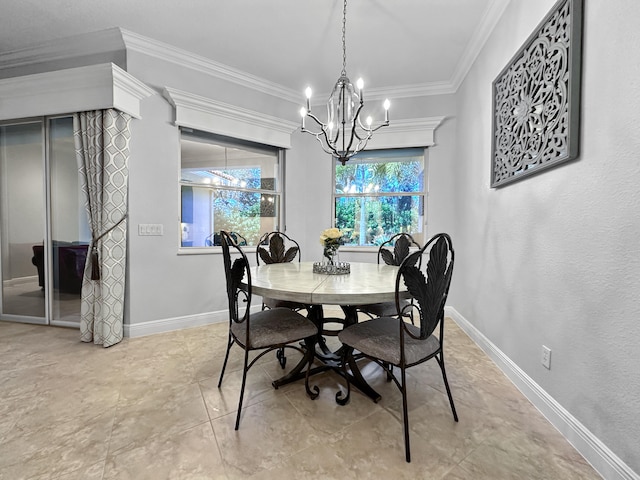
(69, 229)
(22, 227)
(43, 230)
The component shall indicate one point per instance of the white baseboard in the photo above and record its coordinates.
(603, 460)
(176, 323)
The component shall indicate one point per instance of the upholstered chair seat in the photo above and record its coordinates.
(273, 327)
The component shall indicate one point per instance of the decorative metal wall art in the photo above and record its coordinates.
(536, 99)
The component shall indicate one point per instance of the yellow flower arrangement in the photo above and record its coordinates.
(331, 236)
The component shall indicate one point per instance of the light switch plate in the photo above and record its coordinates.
(150, 229)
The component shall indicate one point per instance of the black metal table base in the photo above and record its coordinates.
(330, 360)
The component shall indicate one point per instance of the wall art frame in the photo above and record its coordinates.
(536, 99)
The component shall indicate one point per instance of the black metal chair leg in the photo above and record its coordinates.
(446, 385)
(244, 381)
(281, 357)
(388, 368)
(405, 415)
(226, 357)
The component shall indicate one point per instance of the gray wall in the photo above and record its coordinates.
(555, 259)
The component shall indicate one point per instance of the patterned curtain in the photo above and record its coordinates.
(102, 150)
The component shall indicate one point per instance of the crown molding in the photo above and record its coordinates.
(72, 90)
(184, 58)
(476, 43)
(209, 115)
(400, 91)
(64, 48)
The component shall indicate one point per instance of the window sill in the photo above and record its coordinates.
(210, 250)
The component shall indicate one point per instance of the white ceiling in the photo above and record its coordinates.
(293, 43)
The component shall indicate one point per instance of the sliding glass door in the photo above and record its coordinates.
(22, 227)
(68, 223)
(43, 227)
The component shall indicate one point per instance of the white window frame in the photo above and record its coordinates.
(424, 194)
(277, 192)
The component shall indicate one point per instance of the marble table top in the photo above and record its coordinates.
(296, 281)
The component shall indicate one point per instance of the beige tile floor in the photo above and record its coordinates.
(26, 298)
(149, 408)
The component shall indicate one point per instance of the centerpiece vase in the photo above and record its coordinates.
(331, 254)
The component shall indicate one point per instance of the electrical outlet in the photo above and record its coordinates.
(546, 357)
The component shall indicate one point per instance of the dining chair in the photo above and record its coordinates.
(214, 239)
(266, 330)
(278, 247)
(393, 342)
(391, 252)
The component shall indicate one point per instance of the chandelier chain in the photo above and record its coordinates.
(344, 134)
(344, 39)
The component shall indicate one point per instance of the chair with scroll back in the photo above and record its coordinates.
(401, 244)
(214, 240)
(392, 340)
(278, 247)
(266, 330)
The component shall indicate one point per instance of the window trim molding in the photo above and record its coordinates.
(407, 133)
(201, 113)
(72, 90)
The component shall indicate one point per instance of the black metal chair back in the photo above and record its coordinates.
(215, 239)
(401, 243)
(238, 278)
(277, 247)
(429, 289)
(393, 252)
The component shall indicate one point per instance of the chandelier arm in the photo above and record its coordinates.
(329, 150)
(385, 124)
(359, 147)
(366, 129)
(316, 119)
(326, 149)
(326, 146)
(363, 138)
(323, 132)
(329, 143)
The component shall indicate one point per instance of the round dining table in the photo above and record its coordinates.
(297, 282)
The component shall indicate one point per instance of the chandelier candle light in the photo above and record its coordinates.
(343, 135)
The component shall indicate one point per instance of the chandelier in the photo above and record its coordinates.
(343, 135)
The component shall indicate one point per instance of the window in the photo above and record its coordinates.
(380, 193)
(227, 184)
